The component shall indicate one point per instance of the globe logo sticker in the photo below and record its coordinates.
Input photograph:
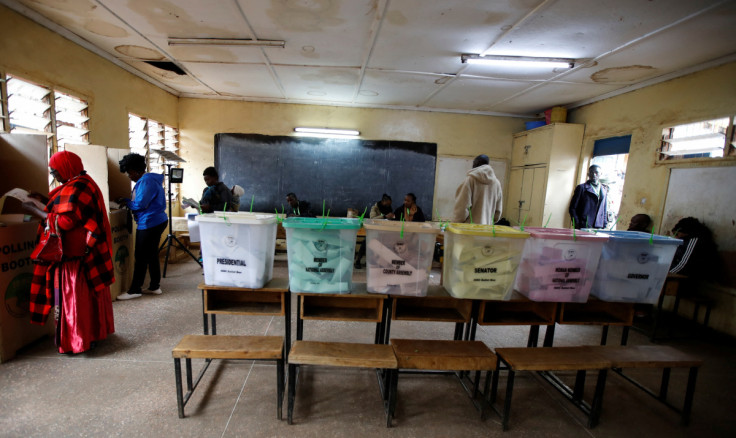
(18, 295)
(400, 248)
(570, 254)
(320, 245)
(642, 258)
(486, 250)
(229, 241)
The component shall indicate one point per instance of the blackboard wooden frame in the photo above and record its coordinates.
(343, 173)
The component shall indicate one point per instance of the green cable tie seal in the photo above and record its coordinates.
(470, 213)
(614, 224)
(252, 198)
(574, 236)
(401, 235)
(327, 218)
(651, 236)
(548, 219)
(323, 207)
(224, 208)
(523, 221)
(360, 219)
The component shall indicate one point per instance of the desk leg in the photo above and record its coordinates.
(458, 331)
(595, 409)
(549, 336)
(292, 391)
(387, 320)
(205, 320)
(664, 386)
(214, 323)
(475, 311)
(625, 335)
(687, 407)
(279, 387)
(604, 335)
(299, 321)
(286, 296)
(533, 336)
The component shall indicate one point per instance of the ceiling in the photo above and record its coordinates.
(402, 54)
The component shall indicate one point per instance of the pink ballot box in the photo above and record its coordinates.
(559, 264)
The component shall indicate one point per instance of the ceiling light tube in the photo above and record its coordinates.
(225, 42)
(517, 61)
(328, 131)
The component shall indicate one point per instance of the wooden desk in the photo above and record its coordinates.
(358, 306)
(273, 299)
(594, 312)
(518, 311)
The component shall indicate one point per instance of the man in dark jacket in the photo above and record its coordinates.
(588, 204)
(216, 196)
(298, 208)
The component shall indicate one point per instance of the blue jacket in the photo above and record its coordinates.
(149, 201)
(586, 208)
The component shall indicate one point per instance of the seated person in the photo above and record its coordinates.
(298, 208)
(216, 196)
(640, 222)
(696, 256)
(382, 209)
(409, 211)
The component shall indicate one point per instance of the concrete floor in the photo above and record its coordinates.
(125, 387)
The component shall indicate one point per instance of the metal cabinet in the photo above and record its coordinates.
(542, 178)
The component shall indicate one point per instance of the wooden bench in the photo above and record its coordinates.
(416, 354)
(339, 354)
(226, 347)
(657, 356)
(544, 360)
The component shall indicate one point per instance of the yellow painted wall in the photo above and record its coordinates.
(455, 134)
(35, 53)
(643, 114)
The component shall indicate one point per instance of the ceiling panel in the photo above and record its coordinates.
(317, 32)
(237, 80)
(401, 89)
(475, 94)
(429, 36)
(319, 83)
(551, 94)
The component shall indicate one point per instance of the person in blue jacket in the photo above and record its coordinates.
(588, 203)
(148, 206)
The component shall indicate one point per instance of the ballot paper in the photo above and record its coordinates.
(22, 196)
(189, 202)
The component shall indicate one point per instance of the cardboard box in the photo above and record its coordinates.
(122, 252)
(17, 241)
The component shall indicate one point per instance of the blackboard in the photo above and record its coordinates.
(343, 173)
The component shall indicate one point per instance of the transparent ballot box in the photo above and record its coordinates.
(633, 266)
(481, 260)
(399, 256)
(320, 253)
(237, 248)
(559, 264)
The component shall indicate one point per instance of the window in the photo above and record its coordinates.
(33, 109)
(145, 137)
(706, 139)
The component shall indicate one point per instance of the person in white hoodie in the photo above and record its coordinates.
(479, 197)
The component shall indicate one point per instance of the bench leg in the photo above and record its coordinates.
(687, 407)
(392, 395)
(494, 383)
(458, 331)
(595, 409)
(179, 389)
(299, 320)
(707, 315)
(507, 402)
(577, 393)
(292, 390)
(625, 335)
(214, 324)
(205, 320)
(188, 363)
(279, 387)
(604, 335)
(549, 336)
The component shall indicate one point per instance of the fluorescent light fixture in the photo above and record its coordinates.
(326, 132)
(225, 42)
(517, 61)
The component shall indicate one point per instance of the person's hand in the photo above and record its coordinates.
(31, 208)
(390, 216)
(123, 202)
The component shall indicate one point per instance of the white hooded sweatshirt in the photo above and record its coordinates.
(481, 191)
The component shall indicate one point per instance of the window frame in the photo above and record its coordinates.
(729, 149)
(163, 128)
